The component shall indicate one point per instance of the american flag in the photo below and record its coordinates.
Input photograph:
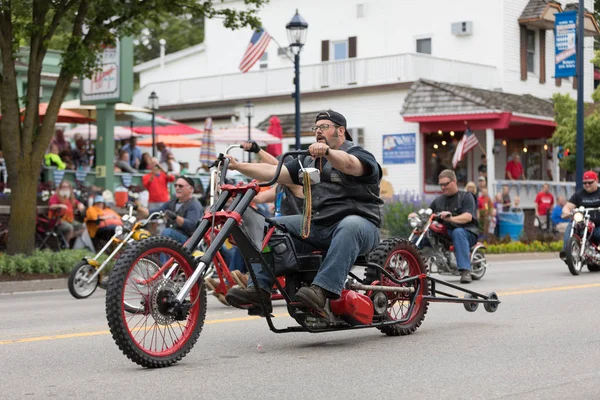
(258, 44)
(466, 144)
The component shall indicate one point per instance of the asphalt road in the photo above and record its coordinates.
(542, 343)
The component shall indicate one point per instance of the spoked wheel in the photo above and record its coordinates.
(478, 265)
(153, 336)
(78, 285)
(402, 260)
(572, 250)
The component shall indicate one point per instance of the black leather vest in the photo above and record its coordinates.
(338, 196)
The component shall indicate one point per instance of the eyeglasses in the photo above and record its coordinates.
(588, 182)
(443, 185)
(323, 127)
(178, 186)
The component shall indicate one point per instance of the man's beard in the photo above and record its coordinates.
(323, 138)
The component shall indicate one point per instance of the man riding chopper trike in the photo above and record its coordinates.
(322, 291)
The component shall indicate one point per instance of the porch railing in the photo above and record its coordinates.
(528, 190)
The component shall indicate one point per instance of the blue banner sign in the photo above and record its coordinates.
(399, 148)
(565, 28)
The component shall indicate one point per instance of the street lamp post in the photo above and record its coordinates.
(296, 30)
(249, 114)
(153, 105)
(579, 160)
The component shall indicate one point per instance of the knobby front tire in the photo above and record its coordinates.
(151, 337)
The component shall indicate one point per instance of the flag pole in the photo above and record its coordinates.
(282, 49)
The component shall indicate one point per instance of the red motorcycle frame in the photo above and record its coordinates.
(393, 296)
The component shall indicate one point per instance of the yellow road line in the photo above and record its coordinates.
(240, 319)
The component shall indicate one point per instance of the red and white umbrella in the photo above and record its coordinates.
(91, 132)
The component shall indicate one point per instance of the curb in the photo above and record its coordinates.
(33, 285)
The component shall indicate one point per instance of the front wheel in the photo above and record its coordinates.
(478, 264)
(402, 260)
(572, 251)
(154, 336)
(78, 284)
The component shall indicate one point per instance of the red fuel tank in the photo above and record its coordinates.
(353, 307)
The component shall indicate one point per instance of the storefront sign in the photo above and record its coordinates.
(399, 148)
(565, 37)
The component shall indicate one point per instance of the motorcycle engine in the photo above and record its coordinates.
(451, 259)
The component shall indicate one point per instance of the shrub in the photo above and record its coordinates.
(41, 262)
(519, 247)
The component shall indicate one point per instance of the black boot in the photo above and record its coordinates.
(249, 298)
(313, 296)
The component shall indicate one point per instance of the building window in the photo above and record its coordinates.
(264, 60)
(424, 46)
(530, 51)
(339, 49)
(360, 11)
(358, 136)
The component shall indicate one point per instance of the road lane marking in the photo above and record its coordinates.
(240, 319)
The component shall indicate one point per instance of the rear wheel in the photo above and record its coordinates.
(573, 250)
(402, 260)
(153, 337)
(78, 285)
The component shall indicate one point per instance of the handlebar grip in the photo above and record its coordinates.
(224, 171)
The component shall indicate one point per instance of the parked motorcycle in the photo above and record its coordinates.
(579, 249)
(88, 274)
(392, 295)
(439, 255)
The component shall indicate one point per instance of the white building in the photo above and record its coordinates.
(489, 63)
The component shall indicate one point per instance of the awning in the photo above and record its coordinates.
(540, 14)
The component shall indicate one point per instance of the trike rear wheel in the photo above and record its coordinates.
(153, 337)
(402, 260)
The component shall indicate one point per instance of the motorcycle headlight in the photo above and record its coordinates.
(578, 217)
(414, 223)
(421, 211)
(119, 230)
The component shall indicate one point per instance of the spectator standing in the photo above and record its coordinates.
(81, 158)
(506, 202)
(543, 206)
(60, 142)
(164, 152)
(472, 188)
(485, 208)
(550, 166)
(135, 154)
(558, 221)
(516, 207)
(514, 168)
(123, 163)
(481, 183)
(482, 169)
(156, 182)
(146, 162)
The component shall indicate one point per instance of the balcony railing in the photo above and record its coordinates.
(349, 73)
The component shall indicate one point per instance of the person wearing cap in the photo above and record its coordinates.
(588, 197)
(347, 211)
(156, 182)
(183, 212)
(482, 169)
(101, 221)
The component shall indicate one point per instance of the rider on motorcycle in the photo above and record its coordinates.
(458, 211)
(347, 210)
(588, 197)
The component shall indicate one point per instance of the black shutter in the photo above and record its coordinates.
(523, 52)
(325, 50)
(352, 47)
(542, 56)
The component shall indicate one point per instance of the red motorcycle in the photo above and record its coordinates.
(579, 249)
(393, 296)
(439, 255)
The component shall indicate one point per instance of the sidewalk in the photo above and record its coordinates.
(61, 283)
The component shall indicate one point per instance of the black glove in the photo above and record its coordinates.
(254, 148)
(170, 215)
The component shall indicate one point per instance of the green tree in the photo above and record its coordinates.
(565, 109)
(85, 25)
(169, 28)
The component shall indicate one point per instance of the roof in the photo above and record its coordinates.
(535, 9)
(169, 58)
(288, 122)
(435, 98)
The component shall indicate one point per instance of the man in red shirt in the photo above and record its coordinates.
(156, 182)
(514, 168)
(543, 205)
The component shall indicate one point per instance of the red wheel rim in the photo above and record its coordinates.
(399, 304)
(164, 337)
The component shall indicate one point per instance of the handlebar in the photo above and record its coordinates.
(280, 164)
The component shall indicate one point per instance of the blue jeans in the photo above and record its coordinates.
(175, 235)
(233, 258)
(462, 240)
(344, 242)
(595, 235)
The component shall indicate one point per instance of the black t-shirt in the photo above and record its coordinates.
(588, 200)
(482, 168)
(457, 204)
